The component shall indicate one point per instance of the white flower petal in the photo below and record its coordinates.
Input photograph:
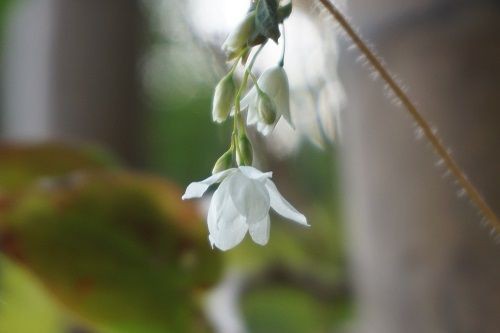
(231, 233)
(282, 100)
(271, 80)
(226, 226)
(252, 115)
(197, 189)
(254, 173)
(265, 129)
(220, 196)
(260, 231)
(250, 102)
(249, 196)
(274, 83)
(283, 207)
(249, 99)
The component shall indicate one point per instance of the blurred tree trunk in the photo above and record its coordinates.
(422, 262)
(82, 83)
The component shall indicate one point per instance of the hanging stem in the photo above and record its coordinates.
(238, 122)
(244, 82)
(435, 141)
(283, 50)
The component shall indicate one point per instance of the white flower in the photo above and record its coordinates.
(274, 83)
(238, 39)
(241, 204)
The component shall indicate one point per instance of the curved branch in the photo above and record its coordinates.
(431, 136)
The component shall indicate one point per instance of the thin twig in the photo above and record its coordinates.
(449, 161)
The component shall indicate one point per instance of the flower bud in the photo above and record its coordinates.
(223, 163)
(225, 92)
(239, 38)
(244, 151)
(266, 109)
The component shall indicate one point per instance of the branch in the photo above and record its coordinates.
(435, 141)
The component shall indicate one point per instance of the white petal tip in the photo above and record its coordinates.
(302, 221)
(223, 249)
(187, 197)
(265, 131)
(290, 123)
(261, 242)
(218, 120)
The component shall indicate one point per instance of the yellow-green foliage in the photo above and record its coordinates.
(118, 249)
(25, 307)
(20, 166)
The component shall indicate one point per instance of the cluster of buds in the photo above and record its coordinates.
(268, 100)
(243, 199)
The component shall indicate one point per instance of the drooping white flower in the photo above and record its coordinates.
(274, 83)
(241, 204)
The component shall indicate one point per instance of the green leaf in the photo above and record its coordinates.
(267, 19)
(119, 249)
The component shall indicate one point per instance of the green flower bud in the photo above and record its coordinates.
(244, 151)
(239, 38)
(225, 92)
(223, 163)
(266, 109)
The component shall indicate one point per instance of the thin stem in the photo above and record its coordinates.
(245, 80)
(435, 141)
(233, 68)
(283, 50)
(237, 108)
(248, 70)
(250, 66)
(255, 81)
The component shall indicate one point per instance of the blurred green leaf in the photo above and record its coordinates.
(22, 165)
(281, 309)
(183, 140)
(22, 297)
(120, 250)
(5, 7)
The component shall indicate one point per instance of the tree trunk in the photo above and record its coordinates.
(74, 73)
(422, 260)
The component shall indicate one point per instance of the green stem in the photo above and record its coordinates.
(238, 121)
(283, 50)
(255, 82)
(244, 83)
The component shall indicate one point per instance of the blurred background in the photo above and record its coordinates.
(105, 118)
